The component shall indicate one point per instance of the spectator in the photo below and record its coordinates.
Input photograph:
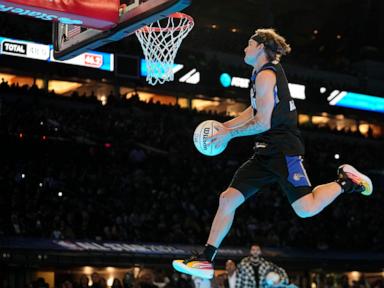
(96, 280)
(231, 269)
(84, 281)
(67, 284)
(255, 271)
(150, 191)
(201, 283)
(145, 279)
(116, 283)
(128, 280)
(40, 283)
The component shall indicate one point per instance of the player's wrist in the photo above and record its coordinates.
(227, 124)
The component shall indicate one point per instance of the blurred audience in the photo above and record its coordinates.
(67, 164)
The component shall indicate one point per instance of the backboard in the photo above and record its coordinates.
(71, 40)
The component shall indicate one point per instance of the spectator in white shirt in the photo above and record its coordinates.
(230, 267)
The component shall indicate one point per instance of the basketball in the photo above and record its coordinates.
(272, 278)
(202, 132)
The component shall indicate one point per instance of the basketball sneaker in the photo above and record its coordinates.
(353, 181)
(196, 266)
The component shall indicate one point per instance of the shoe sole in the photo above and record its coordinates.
(179, 266)
(364, 178)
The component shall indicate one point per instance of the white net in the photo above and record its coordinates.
(160, 42)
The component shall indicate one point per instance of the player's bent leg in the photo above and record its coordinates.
(349, 181)
(200, 265)
(313, 203)
(304, 206)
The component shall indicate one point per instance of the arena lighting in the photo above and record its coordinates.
(110, 281)
(297, 91)
(62, 87)
(103, 99)
(337, 156)
(192, 77)
(354, 275)
(356, 101)
(87, 270)
(335, 93)
(323, 90)
(225, 80)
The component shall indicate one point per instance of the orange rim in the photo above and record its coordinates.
(177, 15)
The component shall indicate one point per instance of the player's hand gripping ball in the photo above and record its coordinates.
(205, 143)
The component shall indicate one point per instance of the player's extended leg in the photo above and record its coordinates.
(350, 181)
(229, 201)
(201, 265)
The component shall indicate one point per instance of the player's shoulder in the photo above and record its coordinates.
(268, 70)
(266, 77)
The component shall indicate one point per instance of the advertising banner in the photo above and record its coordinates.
(20, 48)
(108, 247)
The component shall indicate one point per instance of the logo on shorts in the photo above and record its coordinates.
(292, 105)
(261, 145)
(298, 176)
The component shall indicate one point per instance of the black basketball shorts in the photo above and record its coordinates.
(261, 170)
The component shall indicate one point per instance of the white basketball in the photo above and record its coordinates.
(272, 278)
(202, 132)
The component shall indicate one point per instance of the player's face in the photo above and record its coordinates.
(252, 52)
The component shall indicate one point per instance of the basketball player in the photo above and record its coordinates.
(272, 118)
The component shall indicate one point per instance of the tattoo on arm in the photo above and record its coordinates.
(244, 116)
(252, 127)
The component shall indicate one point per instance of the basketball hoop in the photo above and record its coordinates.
(160, 42)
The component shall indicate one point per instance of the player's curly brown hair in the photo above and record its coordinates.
(275, 45)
